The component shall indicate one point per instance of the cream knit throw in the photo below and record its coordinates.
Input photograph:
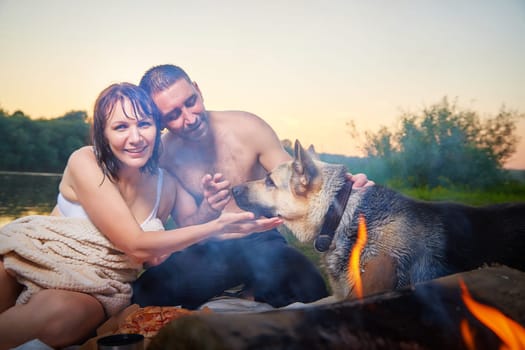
(52, 252)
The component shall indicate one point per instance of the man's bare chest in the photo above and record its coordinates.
(235, 170)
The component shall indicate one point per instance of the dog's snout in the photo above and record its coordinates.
(237, 190)
(239, 195)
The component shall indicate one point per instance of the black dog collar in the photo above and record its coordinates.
(333, 217)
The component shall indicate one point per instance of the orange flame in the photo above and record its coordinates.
(511, 333)
(354, 271)
(466, 333)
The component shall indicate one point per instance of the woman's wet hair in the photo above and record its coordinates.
(142, 107)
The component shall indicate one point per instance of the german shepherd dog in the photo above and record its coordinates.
(407, 240)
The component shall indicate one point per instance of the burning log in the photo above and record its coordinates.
(431, 315)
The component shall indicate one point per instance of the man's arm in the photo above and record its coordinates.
(261, 139)
(360, 180)
(271, 152)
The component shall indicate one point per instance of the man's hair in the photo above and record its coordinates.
(142, 107)
(159, 78)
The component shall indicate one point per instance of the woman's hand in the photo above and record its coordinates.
(237, 225)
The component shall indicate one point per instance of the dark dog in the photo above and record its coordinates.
(408, 241)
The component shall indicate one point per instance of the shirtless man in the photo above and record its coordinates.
(241, 147)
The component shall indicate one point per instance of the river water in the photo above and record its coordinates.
(24, 194)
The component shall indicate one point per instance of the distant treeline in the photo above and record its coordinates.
(440, 147)
(40, 145)
(443, 146)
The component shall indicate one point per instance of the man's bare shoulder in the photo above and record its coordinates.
(232, 115)
(252, 134)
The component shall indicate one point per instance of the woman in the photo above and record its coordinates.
(76, 276)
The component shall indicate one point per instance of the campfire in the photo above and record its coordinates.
(439, 314)
(511, 333)
(354, 265)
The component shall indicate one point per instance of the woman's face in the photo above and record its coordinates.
(131, 139)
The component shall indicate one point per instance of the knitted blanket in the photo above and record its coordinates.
(52, 252)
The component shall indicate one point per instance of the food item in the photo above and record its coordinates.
(150, 319)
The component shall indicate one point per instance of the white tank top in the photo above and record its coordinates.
(75, 210)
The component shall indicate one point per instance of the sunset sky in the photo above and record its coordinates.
(307, 67)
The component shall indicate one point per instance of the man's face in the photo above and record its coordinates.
(182, 110)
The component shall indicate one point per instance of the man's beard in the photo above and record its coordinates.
(198, 130)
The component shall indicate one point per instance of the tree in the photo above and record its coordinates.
(42, 145)
(444, 145)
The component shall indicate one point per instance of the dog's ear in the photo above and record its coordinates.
(313, 153)
(304, 169)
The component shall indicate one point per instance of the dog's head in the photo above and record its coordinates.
(294, 191)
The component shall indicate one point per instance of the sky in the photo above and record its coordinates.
(307, 67)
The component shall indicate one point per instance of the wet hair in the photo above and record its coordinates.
(159, 78)
(142, 107)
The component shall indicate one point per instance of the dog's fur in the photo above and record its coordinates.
(408, 241)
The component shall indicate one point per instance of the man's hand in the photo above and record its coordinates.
(216, 191)
(360, 180)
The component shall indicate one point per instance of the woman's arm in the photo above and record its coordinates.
(109, 212)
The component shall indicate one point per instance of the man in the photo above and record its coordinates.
(241, 147)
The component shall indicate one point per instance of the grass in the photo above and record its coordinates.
(508, 193)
